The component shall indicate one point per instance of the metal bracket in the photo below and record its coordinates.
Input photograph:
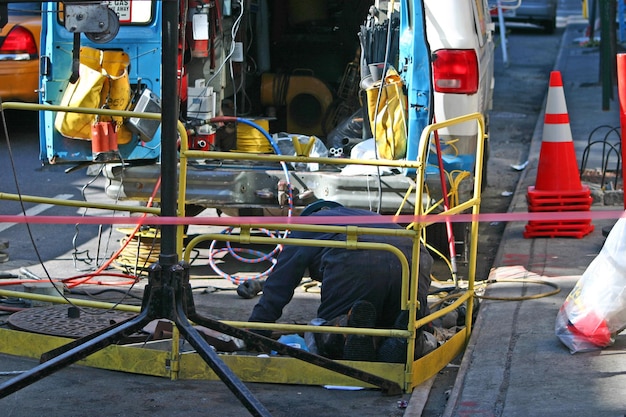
(97, 21)
(86, 17)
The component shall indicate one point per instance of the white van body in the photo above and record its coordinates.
(463, 25)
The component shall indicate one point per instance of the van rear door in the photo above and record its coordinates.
(139, 37)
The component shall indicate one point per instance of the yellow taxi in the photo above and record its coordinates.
(19, 53)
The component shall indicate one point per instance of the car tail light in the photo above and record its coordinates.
(455, 71)
(20, 43)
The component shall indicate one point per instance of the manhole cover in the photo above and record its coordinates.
(56, 320)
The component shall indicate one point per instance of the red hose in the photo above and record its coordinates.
(87, 277)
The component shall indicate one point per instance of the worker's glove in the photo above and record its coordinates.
(249, 289)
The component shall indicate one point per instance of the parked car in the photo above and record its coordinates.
(538, 12)
(19, 53)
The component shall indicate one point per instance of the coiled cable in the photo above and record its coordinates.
(259, 256)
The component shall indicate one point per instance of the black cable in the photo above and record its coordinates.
(19, 192)
(93, 294)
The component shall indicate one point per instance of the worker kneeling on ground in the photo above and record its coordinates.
(359, 288)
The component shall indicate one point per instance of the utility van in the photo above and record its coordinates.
(298, 70)
(460, 35)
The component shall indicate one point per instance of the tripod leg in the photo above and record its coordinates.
(146, 303)
(73, 355)
(252, 339)
(215, 363)
(46, 356)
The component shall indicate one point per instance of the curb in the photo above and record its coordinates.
(535, 146)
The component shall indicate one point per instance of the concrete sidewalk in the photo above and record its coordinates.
(514, 364)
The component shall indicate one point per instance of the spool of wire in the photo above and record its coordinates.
(250, 139)
(140, 250)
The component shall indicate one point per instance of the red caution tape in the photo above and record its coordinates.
(327, 220)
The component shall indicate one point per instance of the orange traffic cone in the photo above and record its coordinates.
(557, 169)
(558, 187)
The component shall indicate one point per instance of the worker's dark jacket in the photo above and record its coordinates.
(345, 275)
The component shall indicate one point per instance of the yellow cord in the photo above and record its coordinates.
(140, 252)
(251, 140)
(556, 289)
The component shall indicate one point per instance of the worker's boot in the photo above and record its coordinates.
(393, 349)
(360, 347)
(330, 345)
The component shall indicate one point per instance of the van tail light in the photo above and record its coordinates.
(19, 43)
(455, 71)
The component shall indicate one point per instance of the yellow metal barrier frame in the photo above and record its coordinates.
(175, 364)
(430, 364)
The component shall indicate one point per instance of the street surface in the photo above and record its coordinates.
(70, 250)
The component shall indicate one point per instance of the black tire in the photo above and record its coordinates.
(549, 26)
(484, 183)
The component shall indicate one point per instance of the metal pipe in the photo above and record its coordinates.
(169, 119)
(240, 156)
(505, 54)
(621, 95)
(75, 203)
(84, 110)
(73, 301)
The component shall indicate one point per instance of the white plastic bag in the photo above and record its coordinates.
(285, 144)
(595, 310)
(365, 150)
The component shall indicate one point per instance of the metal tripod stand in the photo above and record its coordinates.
(168, 294)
